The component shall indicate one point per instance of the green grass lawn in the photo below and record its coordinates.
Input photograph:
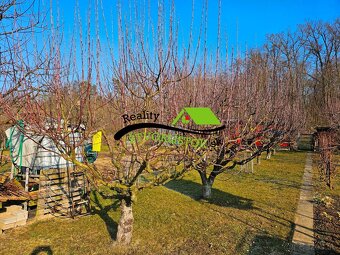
(248, 214)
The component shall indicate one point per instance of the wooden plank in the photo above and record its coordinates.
(52, 200)
(32, 203)
(52, 177)
(56, 175)
(3, 199)
(6, 217)
(52, 171)
(61, 207)
(52, 212)
(34, 176)
(34, 195)
(58, 207)
(13, 208)
(14, 198)
(44, 181)
(7, 226)
(53, 182)
(61, 193)
(53, 188)
(45, 174)
(10, 220)
(48, 199)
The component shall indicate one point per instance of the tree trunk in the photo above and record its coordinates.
(258, 159)
(206, 190)
(125, 227)
(206, 185)
(269, 153)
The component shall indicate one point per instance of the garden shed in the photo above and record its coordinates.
(49, 185)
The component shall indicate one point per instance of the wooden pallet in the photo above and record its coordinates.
(58, 195)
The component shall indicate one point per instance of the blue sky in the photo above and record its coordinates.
(244, 23)
(251, 20)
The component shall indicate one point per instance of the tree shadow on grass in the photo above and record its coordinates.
(266, 244)
(220, 198)
(102, 211)
(43, 249)
(279, 183)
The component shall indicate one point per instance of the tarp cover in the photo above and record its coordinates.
(39, 152)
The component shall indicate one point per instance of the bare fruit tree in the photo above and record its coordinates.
(254, 96)
(141, 81)
(20, 61)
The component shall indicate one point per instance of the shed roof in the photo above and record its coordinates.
(12, 190)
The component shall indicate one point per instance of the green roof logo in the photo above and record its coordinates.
(199, 115)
